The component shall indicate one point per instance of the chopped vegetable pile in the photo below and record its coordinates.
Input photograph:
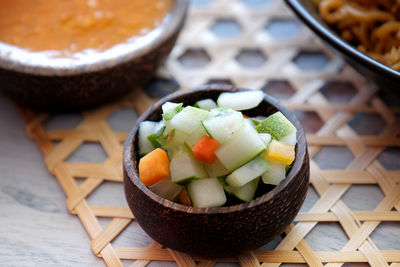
(211, 154)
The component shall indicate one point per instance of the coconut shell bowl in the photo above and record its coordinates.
(223, 231)
(62, 84)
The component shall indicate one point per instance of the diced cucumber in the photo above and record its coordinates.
(276, 174)
(178, 138)
(157, 132)
(241, 100)
(277, 125)
(216, 169)
(250, 121)
(166, 189)
(206, 193)
(146, 128)
(153, 139)
(265, 137)
(184, 167)
(246, 192)
(257, 120)
(223, 126)
(170, 110)
(290, 138)
(206, 104)
(242, 147)
(195, 136)
(218, 111)
(247, 172)
(175, 139)
(188, 120)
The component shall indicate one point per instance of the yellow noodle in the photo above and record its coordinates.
(373, 26)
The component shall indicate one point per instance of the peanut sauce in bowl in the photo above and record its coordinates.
(79, 53)
(75, 25)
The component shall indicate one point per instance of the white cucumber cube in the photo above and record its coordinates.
(276, 173)
(246, 192)
(216, 169)
(170, 109)
(206, 104)
(166, 189)
(146, 128)
(189, 119)
(265, 137)
(184, 167)
(242, 147)
(223, 126)
(195, 136)
(175, 139)
(206, 193)
(241, 100)
(247, 172)
(290, 138)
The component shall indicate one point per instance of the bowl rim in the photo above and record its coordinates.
(331, 37)
(171, 24)
(132, 173)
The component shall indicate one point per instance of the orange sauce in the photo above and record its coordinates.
(74, 25)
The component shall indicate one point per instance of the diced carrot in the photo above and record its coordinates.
(154, 167)
(245, 116)
(204, 149)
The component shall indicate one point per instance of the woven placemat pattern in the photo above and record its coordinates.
(248, 52)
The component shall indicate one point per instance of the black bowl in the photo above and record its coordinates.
(385, 77)
(224, 231)
(65, 83)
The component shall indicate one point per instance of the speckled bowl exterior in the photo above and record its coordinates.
(92, 84)
(216, 232)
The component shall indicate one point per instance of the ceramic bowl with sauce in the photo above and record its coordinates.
(223, 231)
(57, 73)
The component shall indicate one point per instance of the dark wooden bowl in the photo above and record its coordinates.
(216, 232)
(76, 84)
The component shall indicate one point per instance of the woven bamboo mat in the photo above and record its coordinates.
(252, 44)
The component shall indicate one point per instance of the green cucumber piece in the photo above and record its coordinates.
(206, 104)
(223, 126)
(241, 100)
(170, 110)
(184, 167)
(246, 192)
(257, 120)
(206, 193)
(276, 174)
(189, 119)
(146, 128)
(277, 125)
(154, 138)
(247, 172)
(242, 147)
(166, 189)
